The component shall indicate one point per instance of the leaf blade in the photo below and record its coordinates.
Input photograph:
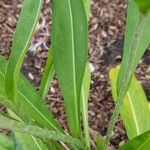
(69, 54)
(47, 77)
(23, 140)
(136, 41)
(29, 101)
(141, 142)
(24, 31)
(84, 104)
(44, 134)
(87, 4)
(134, 111)
(49, 69)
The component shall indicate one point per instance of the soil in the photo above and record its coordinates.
(106, 36)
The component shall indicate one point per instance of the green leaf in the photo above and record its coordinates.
(25, 27)
(49, 69)
(144, 5)
(23, 140)
(134, 111)
(3, 148)
(6, 142)
(43, 134)
(137, 39)
(29, 102)
(87, 4)
(141, 142)
(84, 104)
(47, 77)
(99, 143)
(69, 49)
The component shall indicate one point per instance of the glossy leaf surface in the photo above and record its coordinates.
(69, 49)
(134, 111)
(141, 142)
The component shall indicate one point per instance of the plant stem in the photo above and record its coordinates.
(125, 83)
(41, 133)
(113, 119)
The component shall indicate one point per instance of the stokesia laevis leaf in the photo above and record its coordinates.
(36, 131)
(141, 142)
(84, 104)
(25, 27)
(30, 102)
(69, 50)
(134, 111)
(137, 39)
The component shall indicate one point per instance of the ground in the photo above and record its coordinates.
(106, 36)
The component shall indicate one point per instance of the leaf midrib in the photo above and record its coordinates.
(73, 58)
(35, 141)
(38, 111)
(16, 70)
(134, 114)
(34, 107)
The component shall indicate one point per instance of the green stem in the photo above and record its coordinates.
(36, 131)
(125, 82)
(114, 119)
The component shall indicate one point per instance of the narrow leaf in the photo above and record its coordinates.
(23, 140)
(134, 111)
(29, 102)
(47, 77)
(137, 39)
(69, 49)
(44, 134)
(141, 142)
(49, 69)
(25, 27)
(84, 104)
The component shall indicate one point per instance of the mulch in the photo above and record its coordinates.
(106, 36)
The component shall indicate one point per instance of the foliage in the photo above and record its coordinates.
(141, 142)
(29, 118)
(144, 5)
(137, 39)
(134, 108)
